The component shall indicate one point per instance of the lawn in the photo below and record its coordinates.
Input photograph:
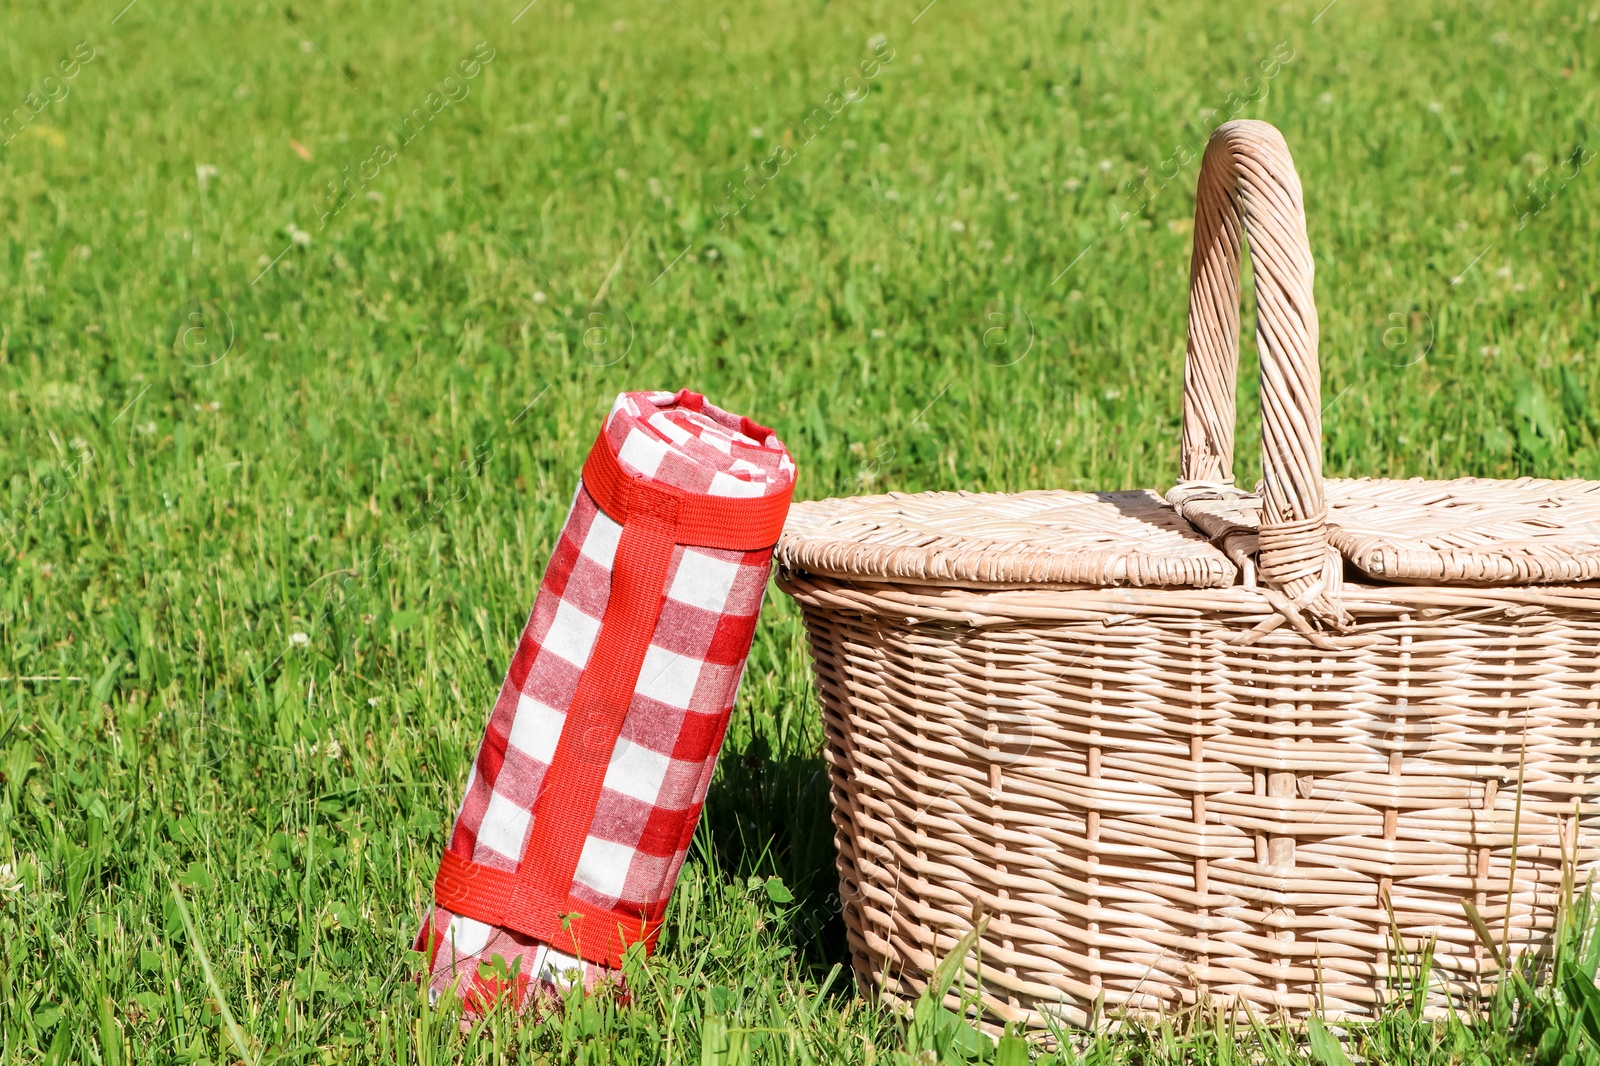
(308, 314)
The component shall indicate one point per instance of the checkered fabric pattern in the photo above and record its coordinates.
(658, 771)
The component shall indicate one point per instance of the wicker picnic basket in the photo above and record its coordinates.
(1270, 748)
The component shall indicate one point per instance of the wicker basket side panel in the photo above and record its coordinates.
(1159, 923)
(1452, 820)
(1387, 796)
(1300, 724)
(1575, 763)
(1486, 714)
(839, 752)
(849, 663)
(1052, 778)
(925, 847)
(1158, 802)
(1526, 698)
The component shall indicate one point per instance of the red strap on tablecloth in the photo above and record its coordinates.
(535, 901)
(568, 925)
(736, 522)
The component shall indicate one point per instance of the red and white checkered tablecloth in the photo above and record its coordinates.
(588, 785)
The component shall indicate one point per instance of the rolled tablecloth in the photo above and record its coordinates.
(589, 781)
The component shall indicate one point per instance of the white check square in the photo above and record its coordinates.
(600, 543)
(642, 453)
(505, 824)
(536, 729)
(604, 866)
(702, 581)
(725, 484)
(571, 635)
(467, 936)
(668, 677)
(636, 771)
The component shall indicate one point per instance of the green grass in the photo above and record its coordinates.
(373, 442)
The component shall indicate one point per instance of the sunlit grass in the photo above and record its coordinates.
(282, 465)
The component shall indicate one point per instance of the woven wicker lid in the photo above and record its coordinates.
(1469, 531)
(1466, 531)
(1003, 540)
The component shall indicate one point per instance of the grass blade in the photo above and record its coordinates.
(234, 1032)
(1481, 927)
(1325, 1047)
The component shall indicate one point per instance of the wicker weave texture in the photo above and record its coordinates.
(1152, 813)
(1278, 791)
(1530, 531)
(1024, 539)
(1467, 531)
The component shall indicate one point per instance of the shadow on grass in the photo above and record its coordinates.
(769, 815)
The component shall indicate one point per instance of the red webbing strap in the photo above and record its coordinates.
(735, 522)
(535, 900)
(490, 895)
(570, 791)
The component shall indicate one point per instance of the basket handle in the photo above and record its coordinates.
(1248, 186)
